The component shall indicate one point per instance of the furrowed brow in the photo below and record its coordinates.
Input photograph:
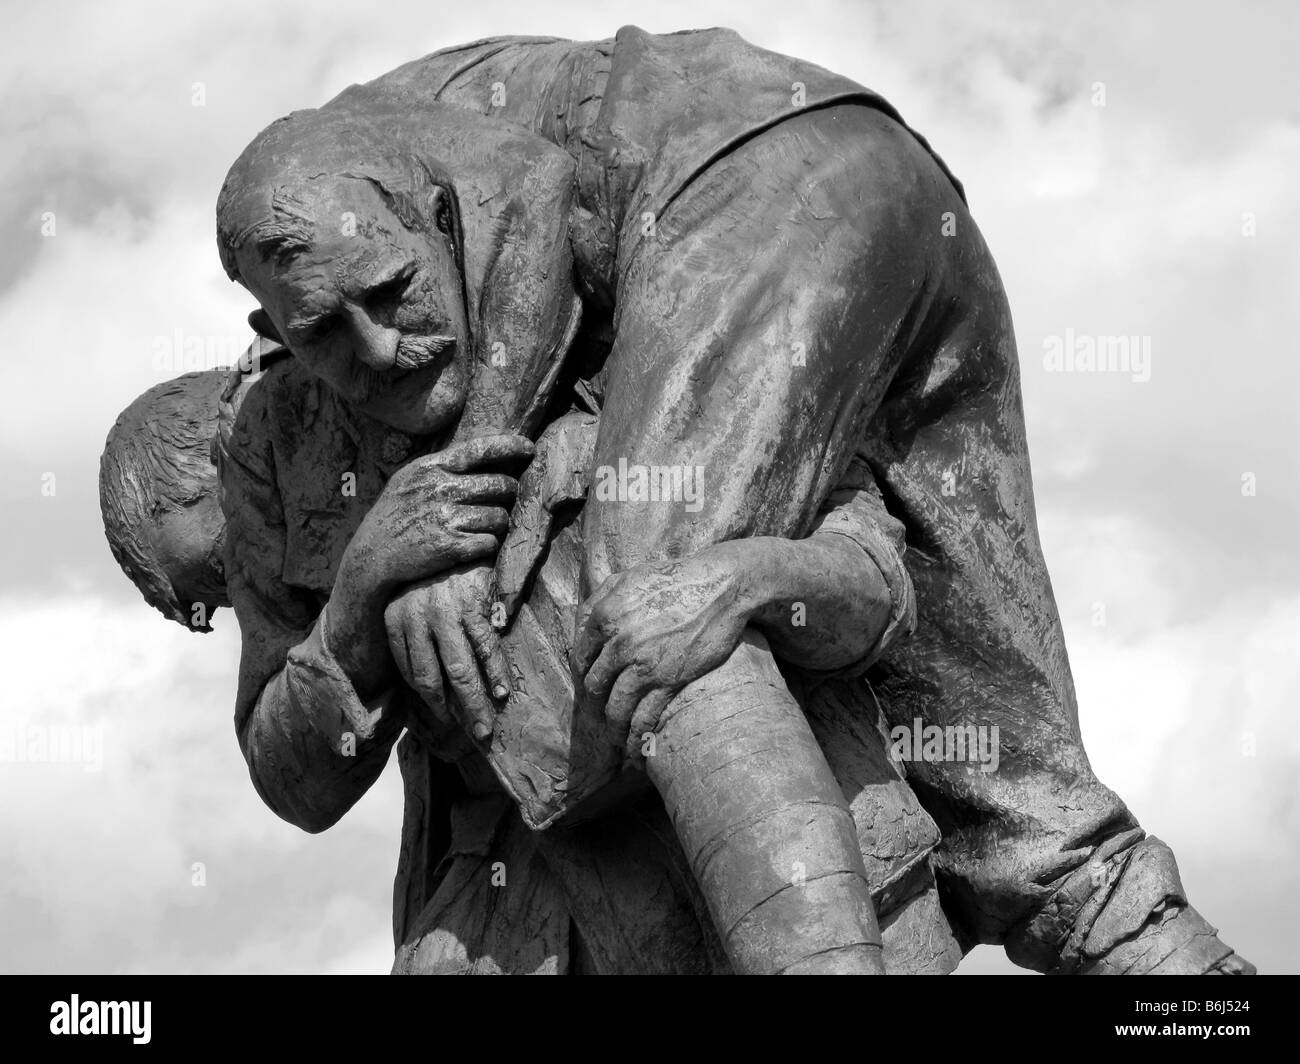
(387, 274)
(303, 322)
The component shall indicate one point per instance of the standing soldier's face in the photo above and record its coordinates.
(371, 307)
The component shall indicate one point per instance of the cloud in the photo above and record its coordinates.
(163, 859)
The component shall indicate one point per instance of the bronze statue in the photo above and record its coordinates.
(737, 315)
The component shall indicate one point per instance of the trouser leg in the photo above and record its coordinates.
(786, 314)
(1036, 853)
(730, 364)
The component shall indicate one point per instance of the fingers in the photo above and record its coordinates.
(415, 654)
(484, 450)
(589, 629)
(515, 564)
(646, 720)
(469, 548)
(521, 550)
(394, 618)
(493, 519)
(487, 648)
(484, 489)
(461, 665)
(429, 479)
(604, 672)
(635, 705)
(625, 694)
(426, 673)
(447, 537)
(558, 475)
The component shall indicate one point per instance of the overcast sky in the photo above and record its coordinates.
(1133, 168)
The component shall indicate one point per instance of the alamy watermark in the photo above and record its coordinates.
(1083, 353)
(181, 352)
(75, 1016)
(53, 745)
(651, 483)
(974, 743)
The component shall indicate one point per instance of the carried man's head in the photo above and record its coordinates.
(159, 498)
(354, 253)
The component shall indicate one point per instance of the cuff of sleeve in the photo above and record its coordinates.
(325, 695)
(882, 541)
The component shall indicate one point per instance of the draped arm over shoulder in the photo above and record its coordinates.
(312, 746)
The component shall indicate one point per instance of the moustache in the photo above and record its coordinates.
(413, 352)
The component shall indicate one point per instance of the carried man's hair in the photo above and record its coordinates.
(158, 458)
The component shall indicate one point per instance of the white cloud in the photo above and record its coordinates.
(103, 861)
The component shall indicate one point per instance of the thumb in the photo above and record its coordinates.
(521, 550)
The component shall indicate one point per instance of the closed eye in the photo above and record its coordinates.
(314, 332)
(389, 292)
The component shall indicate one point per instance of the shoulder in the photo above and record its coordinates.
(254, 387)
(465, 74)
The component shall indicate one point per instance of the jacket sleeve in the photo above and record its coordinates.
(856, 510)
(312, 746)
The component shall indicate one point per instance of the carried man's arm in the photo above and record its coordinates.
(313, 747)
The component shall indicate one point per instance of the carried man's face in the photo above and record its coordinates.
(371, 307)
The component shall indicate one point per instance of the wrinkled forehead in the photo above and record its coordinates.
(484, 163)
(300, 203)
(319, 231)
